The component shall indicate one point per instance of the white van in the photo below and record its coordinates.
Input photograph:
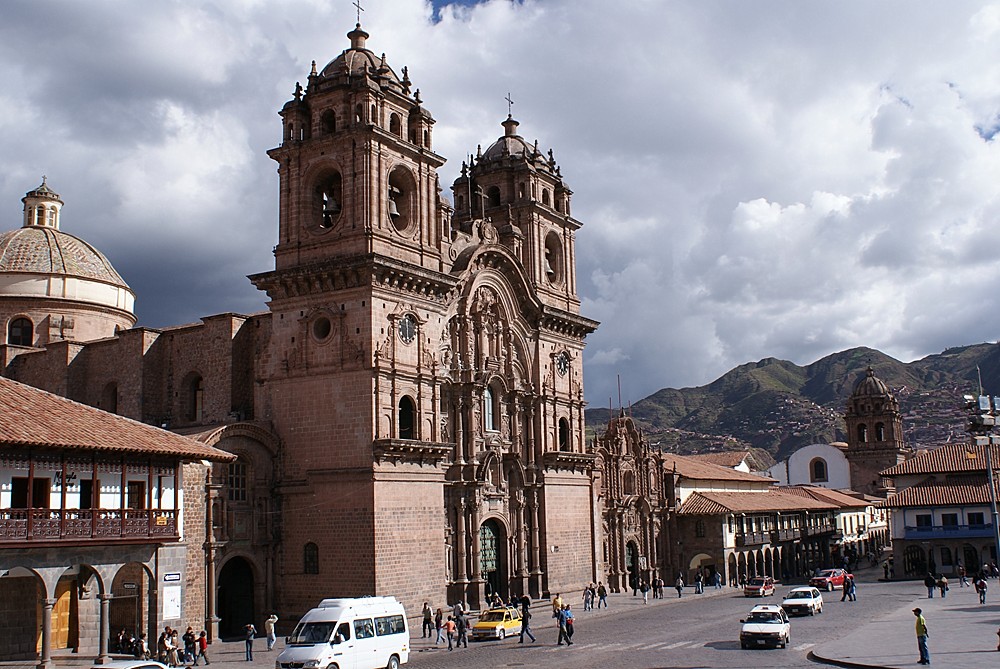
(363, 633)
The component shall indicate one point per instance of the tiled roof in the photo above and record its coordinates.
(34, 418)
(691, 468)
(836, 497)
(947, 458)
(943, 491)
(714, 503)
(722, 458)
(49, 251)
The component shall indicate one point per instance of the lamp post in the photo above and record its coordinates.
(983, 419)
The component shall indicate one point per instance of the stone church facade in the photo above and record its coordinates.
(408, 412)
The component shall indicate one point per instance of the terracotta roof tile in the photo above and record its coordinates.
(943, 491)
(33, 417)
(836, 497)
(714, 503)
(947, 458)
(691, 468)
(722, 458)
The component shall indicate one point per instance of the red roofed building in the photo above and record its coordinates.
(941, 514)
(102, 520)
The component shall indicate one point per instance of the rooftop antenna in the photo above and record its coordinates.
(510, 104)
(357, 3)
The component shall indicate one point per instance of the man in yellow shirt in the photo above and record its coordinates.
(921, 628)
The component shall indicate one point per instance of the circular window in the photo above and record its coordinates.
(322, 327)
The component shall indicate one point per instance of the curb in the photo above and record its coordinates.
(819, 659)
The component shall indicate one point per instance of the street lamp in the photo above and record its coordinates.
(984, 412)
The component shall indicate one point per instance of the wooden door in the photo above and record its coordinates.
(61, 613)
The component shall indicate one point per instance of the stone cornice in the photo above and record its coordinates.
(353, 272)
(562, 460)
(567, 323)
(409, 451)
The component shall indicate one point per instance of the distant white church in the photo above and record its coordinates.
(816, 464)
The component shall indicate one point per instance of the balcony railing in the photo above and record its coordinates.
(753, 538)
(948, 532)
(20, 525)
(792, 534)
(821, 528)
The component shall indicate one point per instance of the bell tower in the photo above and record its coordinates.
(874, 433)
(356, 167)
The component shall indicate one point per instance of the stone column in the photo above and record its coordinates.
(46, 655)
(460, 544)
(475, 578)
(102, 652)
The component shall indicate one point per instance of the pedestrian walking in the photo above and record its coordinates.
(602, 595)
(269, 630)
(562, 616)
(921, 628)
(439, 626)
(462, 630)
(718, 580)
(699, 583)
(644, 589)
(981, 589)
(588, 598)
(885, 569)
(201, 643)
(173, 649)
(852, 593)
(930, 582)
(943, 585)
(569, 624)
(526, 625)
(557, 604)
(428, 626)
(846, 588)
(963, 579)
(449, 628)
(189, 645)
(251, 634)
(679, 585)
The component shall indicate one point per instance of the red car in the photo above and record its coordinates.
(828, 579)
(759, 586)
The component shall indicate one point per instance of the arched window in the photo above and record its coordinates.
(489, 423)
(109, 398)
(520, 191)
(328, 122)
(357, 114)
(374, 115)
(628, 483)
(395, 127)
(406, 418)
(427, 139)
(879, 431)
(818, 471)
(19, 333)
(862, 434)
(310, 558)
(493, 196)
(564, 444)
(460, 203)
(195, 391)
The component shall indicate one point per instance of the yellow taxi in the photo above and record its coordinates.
(497, 623)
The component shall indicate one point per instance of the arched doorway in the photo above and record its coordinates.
(632, 564)
(493, 559)
(733, 569)
(127, 609)
(235, 600)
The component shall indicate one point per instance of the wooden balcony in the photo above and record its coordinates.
(65, 526)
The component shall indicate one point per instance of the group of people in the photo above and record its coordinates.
(598, 594)
(454, 628)
(850, 589)
(250, 633)
(174, 652)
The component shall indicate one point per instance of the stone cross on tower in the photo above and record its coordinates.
(510, 103)
(357, 4)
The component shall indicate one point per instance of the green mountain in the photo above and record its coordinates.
(778, 406)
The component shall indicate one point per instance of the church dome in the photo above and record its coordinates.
(358, 61)
(871, 386)
(39, 250)
(54, 285)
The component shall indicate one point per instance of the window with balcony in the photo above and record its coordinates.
(977, 518)
(924, 520)
(135, 495)
(949, 519)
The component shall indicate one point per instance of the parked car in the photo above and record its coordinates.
(805, 600)
(131, 664)
(497, 623)
(828, 579)
(759, 586)
(766, 625)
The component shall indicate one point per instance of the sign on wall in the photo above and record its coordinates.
(171, 602)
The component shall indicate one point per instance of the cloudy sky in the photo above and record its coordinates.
(755, 179)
